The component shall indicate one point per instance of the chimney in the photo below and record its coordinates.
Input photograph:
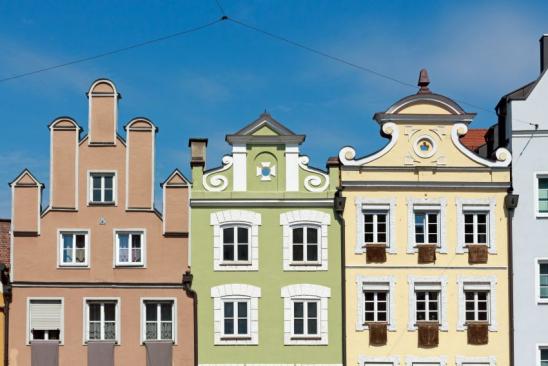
(26, 193)
(65, 135)
(543, 53)
(197, 151)
(140, 135)
(103, 112)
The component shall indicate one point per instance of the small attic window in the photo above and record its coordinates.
(424, 147)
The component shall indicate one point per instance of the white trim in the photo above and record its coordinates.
(114, 187)
(466, 360)
(62, 330)
(143, 233)
(292, 168)
(235, 217)
(174, 327)
(439, 280)
(411, 360)
(305, 292)
(476, 205)
(537, 175)
(60, 232)
(540, 346)
(417, 150)
(348, 153)
(491, 281)
(236, 292)
(302, 218)
(313, 183)
(218, 182)
(385, 204)
(117, 317)
(389, 360)
(538, 261)
(390, 282)
(503, 156)
(239, 157)
(430, 204)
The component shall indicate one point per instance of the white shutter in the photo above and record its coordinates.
(45, 314)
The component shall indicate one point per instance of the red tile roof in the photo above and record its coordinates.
(474, 138)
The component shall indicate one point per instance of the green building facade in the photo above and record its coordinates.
(265, 252)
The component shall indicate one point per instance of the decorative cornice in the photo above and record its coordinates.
(217, 183)
(313, 183)
(503, 156)
(348, 153)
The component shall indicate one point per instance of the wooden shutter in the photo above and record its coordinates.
(45, 314)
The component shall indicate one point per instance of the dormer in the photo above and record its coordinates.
(103, 113)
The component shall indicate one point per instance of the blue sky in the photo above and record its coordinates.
(216, 81)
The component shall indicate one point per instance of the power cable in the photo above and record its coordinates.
(218, 2)
(115, 51)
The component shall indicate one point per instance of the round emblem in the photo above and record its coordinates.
(424, 147)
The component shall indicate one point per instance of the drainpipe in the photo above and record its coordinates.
(339, 202)
(511, 202)
(6, 283)
(190, 292)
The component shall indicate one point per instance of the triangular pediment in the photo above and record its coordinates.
(176, 179)
(25, 178)
(264, 130)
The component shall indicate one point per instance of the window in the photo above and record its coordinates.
(542, 280)
(235, 240)
(101, 320)
(543, 356)
(236, 314)
(375, 227)
(74, 249)
(376, 309)
(426, 228)
(542, 193)
(236, 244)
(428, 301)
(378, 361)
(130, 248)
(428, 305)
(45, 319)
(305, 318)
(305, 314)
(305, 244)
(475, 227)
(236, 318)
(159, 320)
(477, 306)
(102, 188)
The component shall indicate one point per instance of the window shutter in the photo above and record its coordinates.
(45, 314)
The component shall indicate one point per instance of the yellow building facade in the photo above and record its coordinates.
(426, 232)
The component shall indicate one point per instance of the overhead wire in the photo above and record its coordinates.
(115, 51)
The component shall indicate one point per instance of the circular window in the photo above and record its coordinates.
(424, 147)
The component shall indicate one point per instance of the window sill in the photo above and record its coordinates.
(242, 264)
(309, 264)
(101, 203)
(305, 338)
(231, 339)
(171, 341)
(73, 266)
(542, 301)
(116, 343)
(118, 265)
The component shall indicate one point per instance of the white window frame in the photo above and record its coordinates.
(439, 283)
(251, 219)
(118, 320)
(306, 262)
(140, 231)
(378, 361)
(387, 205)
(305, 292)
(235, 300)
(114, 174)
(305, 301)
(60, 248)
(477, 283)
(173, 301)
(430, 361)
(235, 292)
(537, 176)
(62, 330)
(297, 218)
(487, 206)
(540, 346)
(473, 361)
(386, 283)
(236, 262)
(538, 262)
(437, 205)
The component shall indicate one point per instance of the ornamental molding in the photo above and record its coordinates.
(313, 183)
(462, 281)
(362, 281)
(363, 204)
(348, 153)
(436, 204)
(502, 155)
(487, 205)
(214, 181)
(412, 281)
